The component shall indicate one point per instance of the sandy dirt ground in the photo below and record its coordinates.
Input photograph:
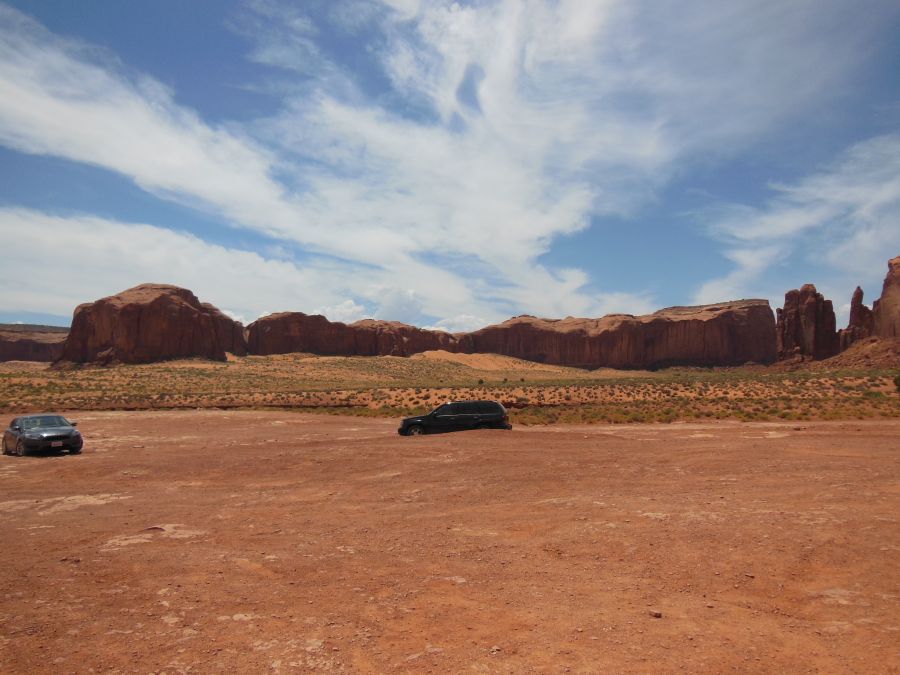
(245, 542)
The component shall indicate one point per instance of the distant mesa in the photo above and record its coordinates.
(288, 332)
(723, 334)
(157, 322)
(28, 342)
(147, 323)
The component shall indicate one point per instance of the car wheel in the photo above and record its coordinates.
(74, 451)
(20, 448)
(415, 430)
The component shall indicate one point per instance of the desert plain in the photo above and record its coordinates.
(276, 541)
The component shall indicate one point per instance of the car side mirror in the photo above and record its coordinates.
(16, 427)
(73, 423)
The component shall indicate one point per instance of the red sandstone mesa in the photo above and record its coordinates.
(806, 325)
(297, 332)
(31, 343)
(154, 322)
(729, 333)
(150, 322)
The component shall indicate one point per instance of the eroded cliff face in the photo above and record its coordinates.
(288, 332)
(724, 334)
(886, 310)
(150, 322)
(229, 333)
(806, 325)
(31, 343)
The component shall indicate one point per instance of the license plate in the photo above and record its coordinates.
(56, 444)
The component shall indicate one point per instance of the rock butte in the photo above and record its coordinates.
(806, 325)
(150, 322)
(861, 323)
(154, 322)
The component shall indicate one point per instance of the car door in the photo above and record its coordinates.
(443, 419)
(468, 416)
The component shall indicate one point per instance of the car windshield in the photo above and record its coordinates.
(43, 421)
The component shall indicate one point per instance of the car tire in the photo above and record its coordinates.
(20, 448)
(415, 430)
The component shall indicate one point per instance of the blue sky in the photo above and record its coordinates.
(447, 164)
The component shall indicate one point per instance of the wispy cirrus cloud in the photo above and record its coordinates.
(843, 218)
(496, 129)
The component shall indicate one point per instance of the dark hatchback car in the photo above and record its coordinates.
(457, 416)
(41, 432)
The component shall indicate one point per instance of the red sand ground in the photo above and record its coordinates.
(273, 542)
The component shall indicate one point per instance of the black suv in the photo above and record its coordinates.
(457, 416)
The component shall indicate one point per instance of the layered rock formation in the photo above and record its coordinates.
(23, 342)
(297, 332)
(229, 333)
(806, 325)
(886, 310)
(150, 322)
(730, 333)
(861, 322)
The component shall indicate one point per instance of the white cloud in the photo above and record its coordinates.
(347, 311)
(841, 220)
(61, 262)
(463, 323)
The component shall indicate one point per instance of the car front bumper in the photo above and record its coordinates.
(53, 444)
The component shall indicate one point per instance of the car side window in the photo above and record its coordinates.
(486, 407)
(445, 409)
(467, 408)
